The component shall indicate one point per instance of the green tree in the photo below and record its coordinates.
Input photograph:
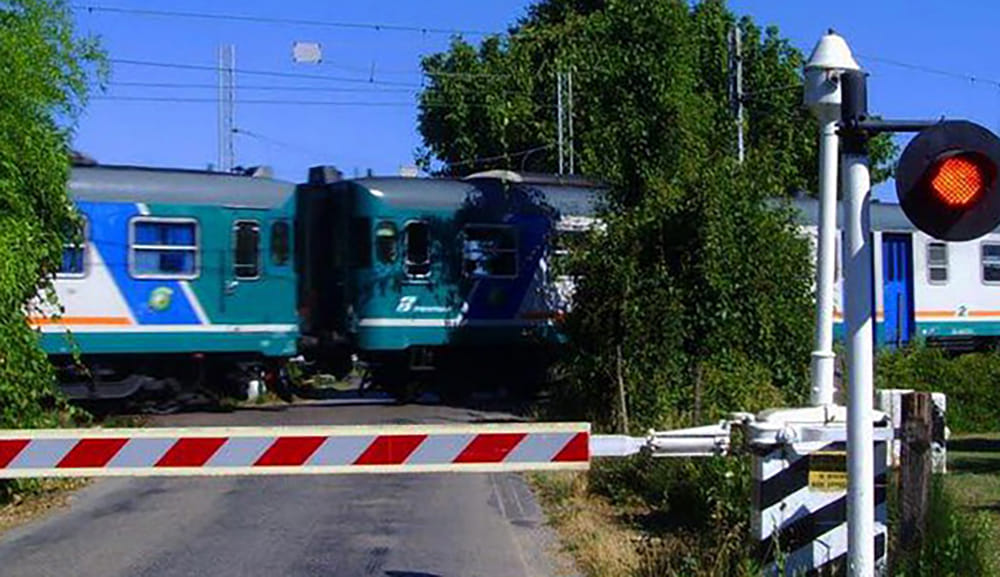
(652, 94)
(698, 292)
(46, 72)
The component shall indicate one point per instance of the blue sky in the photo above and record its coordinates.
(951, 37)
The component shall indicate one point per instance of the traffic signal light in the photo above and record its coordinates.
(946, 180)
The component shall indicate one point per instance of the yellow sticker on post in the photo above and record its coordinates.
(828, 471)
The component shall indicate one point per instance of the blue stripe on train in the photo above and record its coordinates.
(109, 232)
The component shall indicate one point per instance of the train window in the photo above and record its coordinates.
(991, 262)
(937, 262)
(418, 249)
(163, 247)
(280, 242)
(73, 263)
(361, 243)
(489, 251)
(386, 245)
(246, 249)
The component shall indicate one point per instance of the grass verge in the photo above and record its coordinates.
(36, 499)
(973, 481)
(587, 525)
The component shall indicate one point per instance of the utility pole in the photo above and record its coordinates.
(227, 107)
(569, 117)
(736, 69)
(559, 118)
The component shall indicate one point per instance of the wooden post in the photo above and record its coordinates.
(915, 469)
(622, 404)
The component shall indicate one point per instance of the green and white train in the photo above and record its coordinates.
(192, 277)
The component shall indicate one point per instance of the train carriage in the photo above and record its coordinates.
(945, 293)
(182, 276)
(437, 274)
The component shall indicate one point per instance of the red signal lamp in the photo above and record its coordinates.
(959, 180)
(946, 180)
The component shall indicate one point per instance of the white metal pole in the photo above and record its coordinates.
(569, 117)
(559, 120)
(860, 451)
(738, 43)
(822, 388)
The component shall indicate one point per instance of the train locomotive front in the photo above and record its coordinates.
(442, 280)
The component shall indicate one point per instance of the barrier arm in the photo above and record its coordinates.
(212, 451)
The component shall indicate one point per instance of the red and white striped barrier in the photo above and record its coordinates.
(293, 450)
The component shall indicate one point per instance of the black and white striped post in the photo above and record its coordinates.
(800, 490)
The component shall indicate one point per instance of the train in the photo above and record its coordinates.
(944, 294)
(223, 281)
(217, 281)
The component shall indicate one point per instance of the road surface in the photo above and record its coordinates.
(430, 525)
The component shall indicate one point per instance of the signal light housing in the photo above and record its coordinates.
(946, 180)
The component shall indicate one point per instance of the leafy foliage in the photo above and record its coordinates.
(702, 296)
(698, 292)
(46, 71)
(652, 96)
(971, 382)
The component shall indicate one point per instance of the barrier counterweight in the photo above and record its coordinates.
(800, 507)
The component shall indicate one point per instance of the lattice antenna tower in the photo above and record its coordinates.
(227, 107)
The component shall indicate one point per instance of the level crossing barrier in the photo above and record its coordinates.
(799, 471)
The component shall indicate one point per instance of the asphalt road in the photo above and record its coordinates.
(390, 525)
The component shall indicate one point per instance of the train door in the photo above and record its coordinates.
(245, 298)
(897, 288)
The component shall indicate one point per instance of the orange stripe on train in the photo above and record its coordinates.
(79, 321)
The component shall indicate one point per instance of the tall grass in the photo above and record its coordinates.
(957, 543)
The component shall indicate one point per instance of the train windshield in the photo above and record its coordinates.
(489, 251)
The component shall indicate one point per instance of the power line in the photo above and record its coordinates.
(289, 102)
(276, 142)
(475, 161)
(931, 70)
(250, 72)
(279, 74)
(374, 26)
(182, 99)
(263, 87)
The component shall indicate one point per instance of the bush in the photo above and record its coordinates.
(47, 70)
(701, 297)
(695, 512)
(971, 382)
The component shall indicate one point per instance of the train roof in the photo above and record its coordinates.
(110, 183)
(884, 215)
(568, 197)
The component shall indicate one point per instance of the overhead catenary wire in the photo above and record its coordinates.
(389, 27)
(277, 142)
(263, 87)
(254, 72)
(278, 101)
(485, 159)
(992, 82)
(373, 26)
